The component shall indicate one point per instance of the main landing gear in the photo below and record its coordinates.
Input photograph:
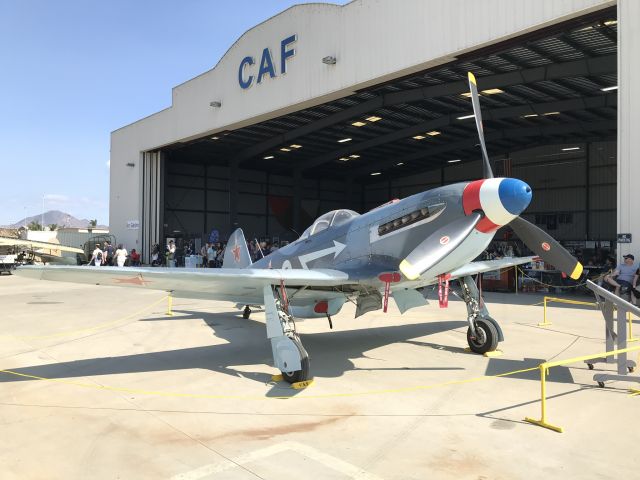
(483, 333)
(289, 356)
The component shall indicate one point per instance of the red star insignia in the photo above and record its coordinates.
(133, 281)
(236, 253)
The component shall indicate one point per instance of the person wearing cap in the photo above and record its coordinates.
(623, 275)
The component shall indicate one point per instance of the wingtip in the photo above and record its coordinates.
(472, 78)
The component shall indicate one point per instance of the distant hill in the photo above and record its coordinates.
(61, 219)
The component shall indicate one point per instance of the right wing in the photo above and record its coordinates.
(240, 285)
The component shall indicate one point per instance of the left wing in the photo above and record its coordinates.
(50, 246)
(473, 268)
(240, 285)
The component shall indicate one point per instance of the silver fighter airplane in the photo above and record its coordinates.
(396, 250)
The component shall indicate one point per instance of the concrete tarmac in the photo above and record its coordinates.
(106, 385)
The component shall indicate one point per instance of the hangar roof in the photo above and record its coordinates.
(546, 87)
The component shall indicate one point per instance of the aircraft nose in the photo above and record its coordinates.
(515, 195)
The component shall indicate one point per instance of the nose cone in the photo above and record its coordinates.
(515, 195)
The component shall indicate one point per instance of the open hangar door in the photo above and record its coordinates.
(549, 115)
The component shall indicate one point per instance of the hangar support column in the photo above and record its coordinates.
(297, 199)
(628, 123)
(233, 197)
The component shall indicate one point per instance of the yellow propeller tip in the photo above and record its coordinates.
(577, 271)
(409, 270)
(472, 78)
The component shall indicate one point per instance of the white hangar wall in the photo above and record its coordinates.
(628, 124)
(373, 41)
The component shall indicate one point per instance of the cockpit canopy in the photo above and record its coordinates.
(331, 219)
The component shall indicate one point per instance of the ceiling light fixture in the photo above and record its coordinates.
(608, 89)
(608, 23)
(295, 145)
(454, 161)
(373, 118)
(433, 133)
(399, 164)
(465, 117)
(531, 115)
(492, 91)
(419, 137)
(269, 157)
(344, 159)
(551, 113)
(375, 173)
(215, 138)
(285, 149)
(568, 149)
(345, 140)
(354, 156)
(359, 124)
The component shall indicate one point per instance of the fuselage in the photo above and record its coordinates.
(383, 237)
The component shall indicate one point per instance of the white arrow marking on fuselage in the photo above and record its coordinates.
(309, 257)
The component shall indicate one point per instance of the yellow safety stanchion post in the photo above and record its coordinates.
(631, 338)
(169, 305)
(544, 370)
(545, 323)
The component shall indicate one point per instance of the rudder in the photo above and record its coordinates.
(236, 255)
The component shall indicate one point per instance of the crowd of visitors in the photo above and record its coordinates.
(106, 255)
(210, 255)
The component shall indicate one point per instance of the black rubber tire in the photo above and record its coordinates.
(590, 365)
(488, 340)
(299, 375)
(631, 369)
(246, 313)
(601, 384)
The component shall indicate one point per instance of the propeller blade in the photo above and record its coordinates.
(475, 100)
(546, 247)
(438, 245)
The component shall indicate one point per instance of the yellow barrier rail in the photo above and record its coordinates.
(544, 371)
(545, 323)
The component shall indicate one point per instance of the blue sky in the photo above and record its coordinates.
(72, 71)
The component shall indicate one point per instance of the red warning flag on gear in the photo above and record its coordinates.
(443, 290)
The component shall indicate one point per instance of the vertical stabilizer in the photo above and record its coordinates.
(236, 254)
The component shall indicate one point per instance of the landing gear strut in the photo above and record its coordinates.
(483, 333)
(289, 356)
(246, 312)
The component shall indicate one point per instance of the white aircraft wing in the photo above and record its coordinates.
(237, 285)
(50, 246)
(473, 268)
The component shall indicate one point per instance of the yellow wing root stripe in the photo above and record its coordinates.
(409, 270)
(472, 78)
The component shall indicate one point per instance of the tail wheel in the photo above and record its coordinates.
(246, 313)
(302, 374)
(486, 338)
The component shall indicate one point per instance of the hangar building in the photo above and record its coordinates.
(325, 106)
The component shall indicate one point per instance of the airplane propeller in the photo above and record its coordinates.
(475, 101)
(447, 238)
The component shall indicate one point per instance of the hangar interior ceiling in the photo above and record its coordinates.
(549, 118)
